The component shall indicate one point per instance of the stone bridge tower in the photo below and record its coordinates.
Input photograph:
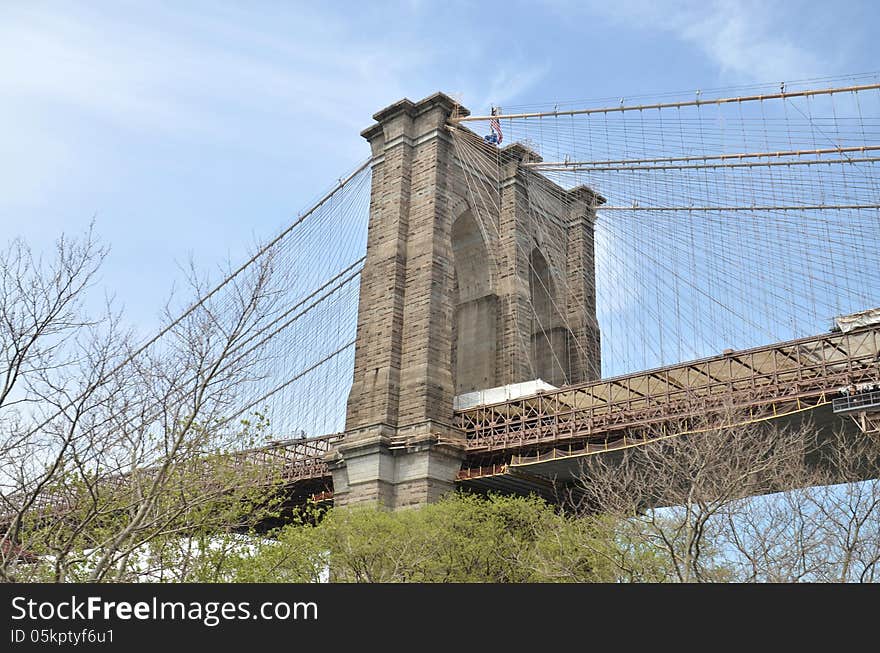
(462, 290)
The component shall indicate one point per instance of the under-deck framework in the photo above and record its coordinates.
(755, 384)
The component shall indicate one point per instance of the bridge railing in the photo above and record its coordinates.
(299, 459)
(768, 380)
(857, 402)
(286, 462)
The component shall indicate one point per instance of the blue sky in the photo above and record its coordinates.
(196, 129)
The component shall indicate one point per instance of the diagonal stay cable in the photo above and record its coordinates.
(103, 378)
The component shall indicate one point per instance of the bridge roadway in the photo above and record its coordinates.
(522, 445)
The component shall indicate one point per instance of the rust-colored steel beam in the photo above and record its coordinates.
(765, 381)
(673, 105)
(733, 156)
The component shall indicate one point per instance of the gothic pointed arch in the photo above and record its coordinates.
(475, 308)
(550, 336)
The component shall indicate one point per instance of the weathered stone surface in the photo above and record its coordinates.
(459, 292)
(415, 467)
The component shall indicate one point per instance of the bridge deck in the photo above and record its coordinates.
(521, 444)
(760, 382)
(299, 459)
(548, 427)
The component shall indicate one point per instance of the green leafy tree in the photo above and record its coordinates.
(462, 538)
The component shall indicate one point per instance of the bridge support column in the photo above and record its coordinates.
(584, 345)
(396, 469)
(400, 448)
(868, 422)
(470, 282)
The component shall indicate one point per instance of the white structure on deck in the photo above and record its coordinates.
(500, 394)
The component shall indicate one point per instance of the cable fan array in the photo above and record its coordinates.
(728, 222)
(271, 343)
(722, 222)
(304, 342)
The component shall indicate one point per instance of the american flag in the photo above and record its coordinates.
(495, 125)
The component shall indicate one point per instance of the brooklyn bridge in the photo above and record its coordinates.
(489, 299)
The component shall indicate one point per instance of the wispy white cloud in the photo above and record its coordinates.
(198, 77)
(32, 161)
(746, 40)
(137, 76)
(508, 82)
(219, 74)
